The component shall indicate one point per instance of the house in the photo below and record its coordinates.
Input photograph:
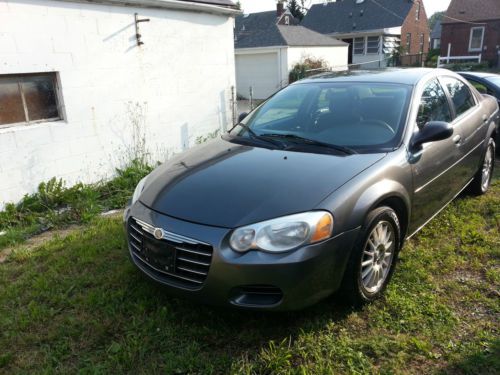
(269, 44)
(472, 27)
(87, 85)
(374, 29)
(436, 36)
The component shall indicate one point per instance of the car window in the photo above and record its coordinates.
(479, 86)
(370, 116)
(460, 94)
(495, 80)
(433, 105)
(286, 105)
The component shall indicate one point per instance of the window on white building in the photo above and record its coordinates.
(359, 46)
(476, 39)
(28, 98)
(373, 44)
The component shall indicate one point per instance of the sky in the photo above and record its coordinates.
(252, 6)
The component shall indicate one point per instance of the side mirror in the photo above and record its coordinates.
(432, 131)
(242, 116)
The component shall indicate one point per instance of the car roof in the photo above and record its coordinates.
(479, 74)
(409, 76)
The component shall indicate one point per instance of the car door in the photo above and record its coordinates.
(433, 164)
(470, 119)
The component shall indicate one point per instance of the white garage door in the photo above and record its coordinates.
(260, 71)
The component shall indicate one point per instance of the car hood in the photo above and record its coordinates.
(228, 185)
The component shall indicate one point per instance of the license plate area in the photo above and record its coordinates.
(159, 255)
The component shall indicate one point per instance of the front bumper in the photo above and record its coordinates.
(253, 280)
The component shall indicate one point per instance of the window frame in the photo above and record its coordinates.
(449, 102)
(354, 46)
(408, 43)
(367, 47)
(23, 77)
(422, 42)
(417, 15)
(472, 29)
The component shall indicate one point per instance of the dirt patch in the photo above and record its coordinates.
(38, 240)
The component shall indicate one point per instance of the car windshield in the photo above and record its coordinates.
(365, 117)
(495, 80)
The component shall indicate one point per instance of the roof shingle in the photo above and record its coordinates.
(472, 10)
(347, 16)
(261, 30)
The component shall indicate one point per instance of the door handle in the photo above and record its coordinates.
(485, 118)
(457, 139)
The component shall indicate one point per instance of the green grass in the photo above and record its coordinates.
(77, 305)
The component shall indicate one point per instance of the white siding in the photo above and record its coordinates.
(176, 86)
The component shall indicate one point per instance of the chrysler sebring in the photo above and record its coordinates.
(314, 191)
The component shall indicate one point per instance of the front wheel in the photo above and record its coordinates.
(482, 179)
(373, 258)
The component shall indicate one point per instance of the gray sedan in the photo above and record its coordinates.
(314, 191)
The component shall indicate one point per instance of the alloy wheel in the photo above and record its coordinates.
(487, 169)
(377, 258)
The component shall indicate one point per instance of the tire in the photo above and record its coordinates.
(360, 285)
(482, 180)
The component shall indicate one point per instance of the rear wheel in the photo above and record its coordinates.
(373, 258)
(482, 179)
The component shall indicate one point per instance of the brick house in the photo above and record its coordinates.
(472, 27)
(373, 29)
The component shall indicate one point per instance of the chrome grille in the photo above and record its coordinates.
(174, 259)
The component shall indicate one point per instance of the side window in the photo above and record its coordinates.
(433, 105)
(460, 95)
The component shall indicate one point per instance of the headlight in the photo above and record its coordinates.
(284, 233)
(138, 190)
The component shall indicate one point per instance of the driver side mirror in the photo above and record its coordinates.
(433, 131)
(242, 116)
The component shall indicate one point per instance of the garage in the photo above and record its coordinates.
(259, 71)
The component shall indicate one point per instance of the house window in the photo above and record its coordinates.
(476, 39)
(373, 44)
(287, 20)
(417, 16)
(359, 46)
(422, 36)
(28, 98)
(408, 43)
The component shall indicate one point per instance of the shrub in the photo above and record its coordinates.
(307, 67)
(467, 66)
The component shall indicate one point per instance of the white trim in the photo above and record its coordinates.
(252, 50)
(165, 4)
(482, 39)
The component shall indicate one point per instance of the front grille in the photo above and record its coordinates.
(256, 295)
(175, 260)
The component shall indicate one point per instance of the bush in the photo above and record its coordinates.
(307, 67)
(467, 66)
(55, 205)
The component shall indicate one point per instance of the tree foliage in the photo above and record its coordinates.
(297, 8)
(438, 16)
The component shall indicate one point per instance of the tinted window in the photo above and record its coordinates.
(494, 80)
(460, 95)
(433, 105)
(357, 115)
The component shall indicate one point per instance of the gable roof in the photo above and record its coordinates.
(472, 10)
(347, 16)
(436, 31)
(261, 30)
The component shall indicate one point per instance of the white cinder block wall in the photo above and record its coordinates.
(172, 89)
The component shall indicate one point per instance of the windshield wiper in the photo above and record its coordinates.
(254, 135)
(312, 142)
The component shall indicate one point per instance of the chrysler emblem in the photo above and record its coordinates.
(158, 233)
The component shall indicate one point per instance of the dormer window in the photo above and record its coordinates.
(287, 20)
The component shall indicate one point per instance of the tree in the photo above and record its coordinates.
(438, 16)
(297, 7)
(238, 5)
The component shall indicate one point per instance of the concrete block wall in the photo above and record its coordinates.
(172, 89)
